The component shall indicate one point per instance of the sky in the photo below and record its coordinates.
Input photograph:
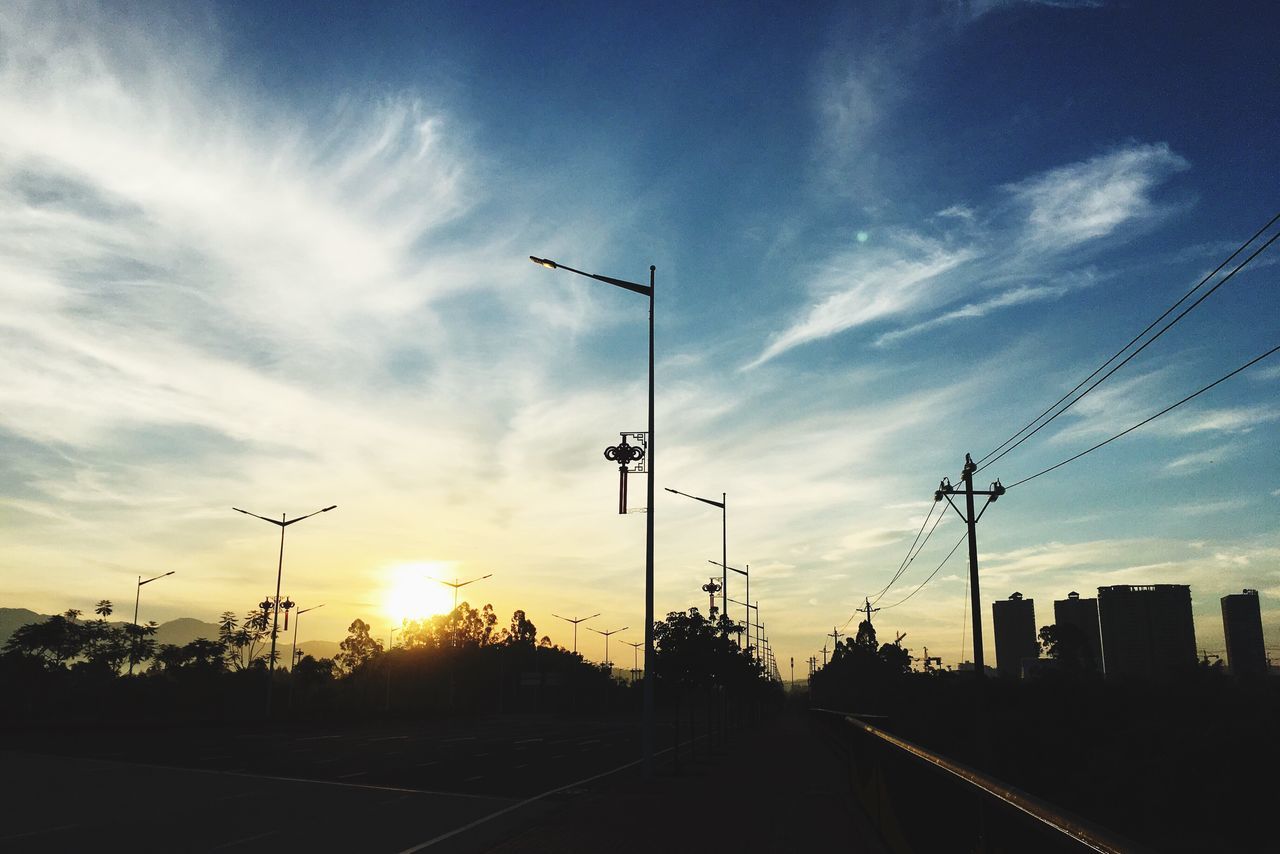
(275, 256)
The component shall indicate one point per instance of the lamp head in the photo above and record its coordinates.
(544, 262)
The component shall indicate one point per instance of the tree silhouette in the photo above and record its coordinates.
(866, 637)
(358, 648)
(103, 609)
(522, 631)
(1067, 645)
(242, 643)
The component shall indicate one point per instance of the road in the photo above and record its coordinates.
(395, 787)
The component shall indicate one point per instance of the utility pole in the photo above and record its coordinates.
(824, 653)
(868, 610)
(946, 490)
(835, 634)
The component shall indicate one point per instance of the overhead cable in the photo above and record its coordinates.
(997, 452)
(1189, 397)
(963, 537)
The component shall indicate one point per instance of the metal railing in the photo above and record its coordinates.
(921, 801)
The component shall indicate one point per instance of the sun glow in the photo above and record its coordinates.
(412, 593)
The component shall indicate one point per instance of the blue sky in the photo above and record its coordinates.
(275, 256)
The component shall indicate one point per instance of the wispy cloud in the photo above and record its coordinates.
(1085, 201)
(908, 272)
(867, 286)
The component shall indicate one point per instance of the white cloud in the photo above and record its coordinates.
(1089, 200)
(911, 273)
(863, 287)
(1016, 296)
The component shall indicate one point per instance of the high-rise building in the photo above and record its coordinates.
(1082, 615)
(1147, 630)
(1014, 622)
(1242, 624)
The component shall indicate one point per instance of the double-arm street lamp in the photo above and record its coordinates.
(724, 541)
(137, 597)
(575, 627)
(456, 584)
(648, 728)
(284, 522)
(607, 661)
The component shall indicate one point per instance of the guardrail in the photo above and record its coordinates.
(921, 801)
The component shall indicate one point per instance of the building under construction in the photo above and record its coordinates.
(1242, 625)
(1014, 623)
(1147, 630)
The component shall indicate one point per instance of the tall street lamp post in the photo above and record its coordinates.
(575, 627)
(293, 650)
(456, 584)
(724, 542)
(648, 728)
(752, 649)
(745, 572)
(635, 660)
(284, 522)
(607, 661)
(137, 597)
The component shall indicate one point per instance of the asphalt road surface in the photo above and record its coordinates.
(395, 787)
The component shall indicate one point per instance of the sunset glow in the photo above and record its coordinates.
(412, 593)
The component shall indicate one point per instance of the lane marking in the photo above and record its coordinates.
(459, 738)
(244, 840)
(353, 774)
(473, 779)
(27, 833)
(389, 738)
(318, 738)
(369, 787)
(529, 740)
(452, 833)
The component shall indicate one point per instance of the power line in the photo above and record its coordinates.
(993, 453)
(931, 575)
(1192, 396)
(907, 558)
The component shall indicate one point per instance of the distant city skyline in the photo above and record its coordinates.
(258, 257)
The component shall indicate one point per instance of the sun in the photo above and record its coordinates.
(412, 593)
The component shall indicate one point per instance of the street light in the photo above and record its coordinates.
(455, 584)
(752, 649)
(648, 732)
(575, 627)
(724, 540)
(293, 650)
(635, 662)
(607, 662)
(133, 653)
(284, 522)
(746, 572)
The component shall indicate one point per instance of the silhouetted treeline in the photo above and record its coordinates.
(460, 663)
(1179, 765)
